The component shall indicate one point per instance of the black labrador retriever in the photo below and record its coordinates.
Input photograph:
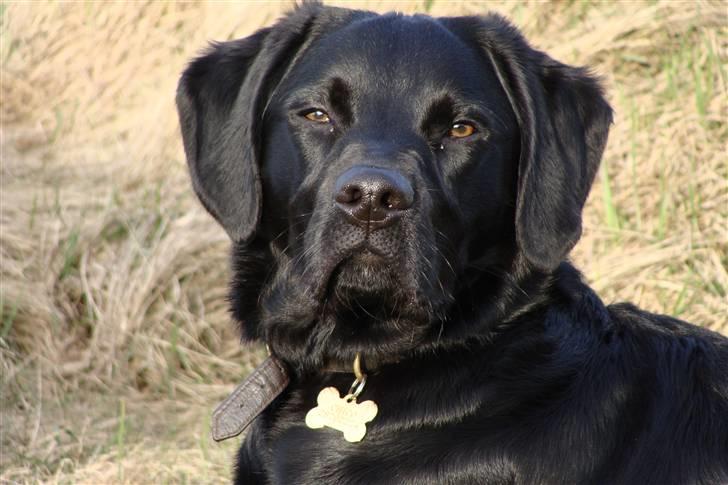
(406, 189)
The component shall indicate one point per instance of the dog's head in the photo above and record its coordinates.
(387, 179)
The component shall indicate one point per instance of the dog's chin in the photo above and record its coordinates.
(370, 310)
(362, 303)
(366, 275)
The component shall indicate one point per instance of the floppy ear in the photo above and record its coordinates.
(221, 98)
(564, 127)
(564, 122)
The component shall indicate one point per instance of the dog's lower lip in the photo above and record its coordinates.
(369, 255)
(363, 271)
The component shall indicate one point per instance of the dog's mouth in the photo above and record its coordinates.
(368, 295)
(361, 294)
(365, 272)
(373, 285)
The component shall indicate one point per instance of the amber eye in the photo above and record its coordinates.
(461, 130)
(317, 116)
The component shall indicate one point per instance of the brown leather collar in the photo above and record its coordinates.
(254, 394)
(249, 399)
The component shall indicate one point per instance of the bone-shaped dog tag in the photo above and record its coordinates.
(342, 414)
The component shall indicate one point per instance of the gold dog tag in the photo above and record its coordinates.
(342, 414)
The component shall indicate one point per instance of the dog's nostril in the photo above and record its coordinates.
(355, 194)
(388, 200)
(350, 194)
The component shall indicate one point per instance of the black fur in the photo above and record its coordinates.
(490, 359)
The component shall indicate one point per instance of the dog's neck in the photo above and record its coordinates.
(525, 293)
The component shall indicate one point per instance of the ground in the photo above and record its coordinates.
(115, 341)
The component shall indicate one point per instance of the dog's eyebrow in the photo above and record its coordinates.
(340, 99)
(445, 109)
(439, 112)
(489, 114)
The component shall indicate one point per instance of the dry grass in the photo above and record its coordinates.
(114, 339)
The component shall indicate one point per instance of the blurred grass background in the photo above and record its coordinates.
(115, 342)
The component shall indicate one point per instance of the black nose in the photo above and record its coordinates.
(372, 196)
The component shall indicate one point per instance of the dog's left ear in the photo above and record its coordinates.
(564, 122)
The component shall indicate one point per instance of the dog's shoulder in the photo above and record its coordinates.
(623, 343)
(689, 357)
(669, 337)
(682, 363)
(578, 312)
(655, 385)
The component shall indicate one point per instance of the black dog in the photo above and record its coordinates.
(408, 188)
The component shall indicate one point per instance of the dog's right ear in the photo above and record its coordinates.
(220, 99)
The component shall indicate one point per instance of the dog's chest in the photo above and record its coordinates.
(456, 427)
(410, 439)
(384, 456)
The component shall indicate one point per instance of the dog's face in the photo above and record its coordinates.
(380, 154)
(385, 177)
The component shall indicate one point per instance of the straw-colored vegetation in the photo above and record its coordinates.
(114, 339)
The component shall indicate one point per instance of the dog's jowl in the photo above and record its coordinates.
(402, 193)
